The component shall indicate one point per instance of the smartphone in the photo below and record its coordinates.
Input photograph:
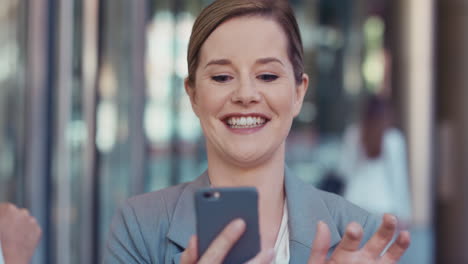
(217, 207)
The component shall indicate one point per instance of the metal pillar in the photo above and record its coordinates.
(36, 176)
(89, 217)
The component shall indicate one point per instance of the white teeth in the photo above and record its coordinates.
(245, 122)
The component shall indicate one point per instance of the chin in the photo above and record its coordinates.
(250, 159)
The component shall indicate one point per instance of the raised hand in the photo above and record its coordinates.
(348, 250)
(220, 247)
(19, 234)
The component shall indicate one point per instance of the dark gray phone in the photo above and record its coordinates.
(216, 207)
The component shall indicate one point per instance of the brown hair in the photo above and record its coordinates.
(222, 10)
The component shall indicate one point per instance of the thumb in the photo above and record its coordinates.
(189, 256)
(321, 244)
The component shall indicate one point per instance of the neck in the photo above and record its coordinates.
(267, 177)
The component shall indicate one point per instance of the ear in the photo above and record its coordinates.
(190, 90)
(301, 90)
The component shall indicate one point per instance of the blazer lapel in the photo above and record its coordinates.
(306, 208)
(183, 221)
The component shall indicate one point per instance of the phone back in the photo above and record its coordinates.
(216, 207)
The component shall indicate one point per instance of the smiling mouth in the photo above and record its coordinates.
(250, 121)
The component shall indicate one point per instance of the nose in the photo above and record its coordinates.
(246, 93)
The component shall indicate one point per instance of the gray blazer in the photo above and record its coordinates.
(156, 227)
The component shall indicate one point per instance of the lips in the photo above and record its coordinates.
(251, 120)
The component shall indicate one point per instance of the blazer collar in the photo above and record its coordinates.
(182, 225)
(305, 207)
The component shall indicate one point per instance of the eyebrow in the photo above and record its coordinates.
(259, 61)
(218, 62)
(268, 60)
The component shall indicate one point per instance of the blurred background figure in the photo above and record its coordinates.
(19, 235)
(373, 163)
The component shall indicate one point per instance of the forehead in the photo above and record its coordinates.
(246, 37)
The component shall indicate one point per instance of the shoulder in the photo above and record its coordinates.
(157, 205)
(394, 141)
(394, 136)
(344, 212)
(138, 230)
(307, 202)
(351, 132)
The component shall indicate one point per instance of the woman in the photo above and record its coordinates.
(246, 84)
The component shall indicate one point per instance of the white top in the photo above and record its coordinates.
(379, 185)
(282, 240)
(1, 255)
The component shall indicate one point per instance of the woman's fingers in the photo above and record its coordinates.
(321, 244)
(348, 250)
(190, 254)
(265, 256)
(382, 237)
(351, 239)
(219, 248)
(397, 249)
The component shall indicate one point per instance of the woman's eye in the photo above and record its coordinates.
(267, 77)
(221, 78)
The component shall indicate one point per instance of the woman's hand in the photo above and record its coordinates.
(19, 234)
(348, 250)
(220, 247)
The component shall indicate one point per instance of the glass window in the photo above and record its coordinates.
(12, 100)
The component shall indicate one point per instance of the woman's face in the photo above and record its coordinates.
(245, 93)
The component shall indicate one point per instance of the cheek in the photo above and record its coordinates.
(210, 102)
(284, 100)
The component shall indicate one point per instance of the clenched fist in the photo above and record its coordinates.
(19, 234)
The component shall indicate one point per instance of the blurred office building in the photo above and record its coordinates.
(93, 109)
